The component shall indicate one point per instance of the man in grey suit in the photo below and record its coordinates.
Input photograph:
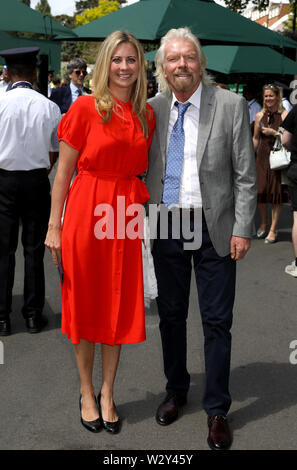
(201, 161)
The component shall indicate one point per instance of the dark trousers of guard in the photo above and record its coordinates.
(215, 280)
(25, 197)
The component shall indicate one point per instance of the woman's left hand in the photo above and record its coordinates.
(53, 243)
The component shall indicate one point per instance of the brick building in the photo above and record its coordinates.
(273, 17)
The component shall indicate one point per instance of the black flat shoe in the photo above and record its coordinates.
(93, 426)
(112, 427)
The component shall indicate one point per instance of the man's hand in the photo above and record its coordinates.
(239, 247)
(53, 156)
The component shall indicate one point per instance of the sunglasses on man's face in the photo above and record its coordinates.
(79, 72)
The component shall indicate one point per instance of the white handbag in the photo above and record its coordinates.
(279, 157)
(149, 277)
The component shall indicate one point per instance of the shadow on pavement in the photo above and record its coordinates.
(17, 319)
(271, 387)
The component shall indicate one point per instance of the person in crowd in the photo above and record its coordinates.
(106, 137)
(28, 150)
(286, 104)
(56, 82)
(5, 82)
(289, 140)
(249, 93)
(151, 88)
(65, 96)
(202, 165)
(286, 92)
(222, 85)
(270, 191)
(50, 85)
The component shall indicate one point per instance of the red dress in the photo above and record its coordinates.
(102, 292)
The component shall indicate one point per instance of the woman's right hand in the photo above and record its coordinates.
(53, 243)
(268, 131)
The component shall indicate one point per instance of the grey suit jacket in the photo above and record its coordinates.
(225, 159)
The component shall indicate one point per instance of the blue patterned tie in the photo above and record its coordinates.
(175, 158)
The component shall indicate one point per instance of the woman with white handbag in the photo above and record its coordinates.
(270, 191)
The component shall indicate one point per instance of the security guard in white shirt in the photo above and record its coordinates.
(28, 150)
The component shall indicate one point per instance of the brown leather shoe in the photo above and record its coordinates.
(169, 408)
(219, 436)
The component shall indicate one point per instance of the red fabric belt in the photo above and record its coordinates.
(138, 192)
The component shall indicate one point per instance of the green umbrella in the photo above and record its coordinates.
(244, 59)
(248, 59)
(151, 19)
(16, 16)
(51, 48)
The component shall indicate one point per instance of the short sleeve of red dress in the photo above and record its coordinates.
(73, 127)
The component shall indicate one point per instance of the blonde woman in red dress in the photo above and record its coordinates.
(105, 137)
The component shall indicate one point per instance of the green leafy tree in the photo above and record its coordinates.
(69, 49)
(291, 23)
(86, 49)
(65, 20)
(240, 5)
(43, 7)
(26, 2)
(82, 5)
(85, 5)
(104, 7)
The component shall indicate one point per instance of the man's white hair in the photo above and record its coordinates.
(180, 33)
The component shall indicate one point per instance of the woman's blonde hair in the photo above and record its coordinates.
(104, 101)
(278, 93)
(180, 33)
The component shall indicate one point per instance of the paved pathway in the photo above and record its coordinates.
(39, 384)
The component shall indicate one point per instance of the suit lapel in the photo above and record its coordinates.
(163, 122)
(68, 97)
(207, 111)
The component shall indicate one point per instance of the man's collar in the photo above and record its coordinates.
(194, 99)
(74, 87)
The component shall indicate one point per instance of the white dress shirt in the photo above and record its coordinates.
(29, 124)
(75, 92)
(254, 108)
(286, 104)
(190, 194)
(3, 86)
